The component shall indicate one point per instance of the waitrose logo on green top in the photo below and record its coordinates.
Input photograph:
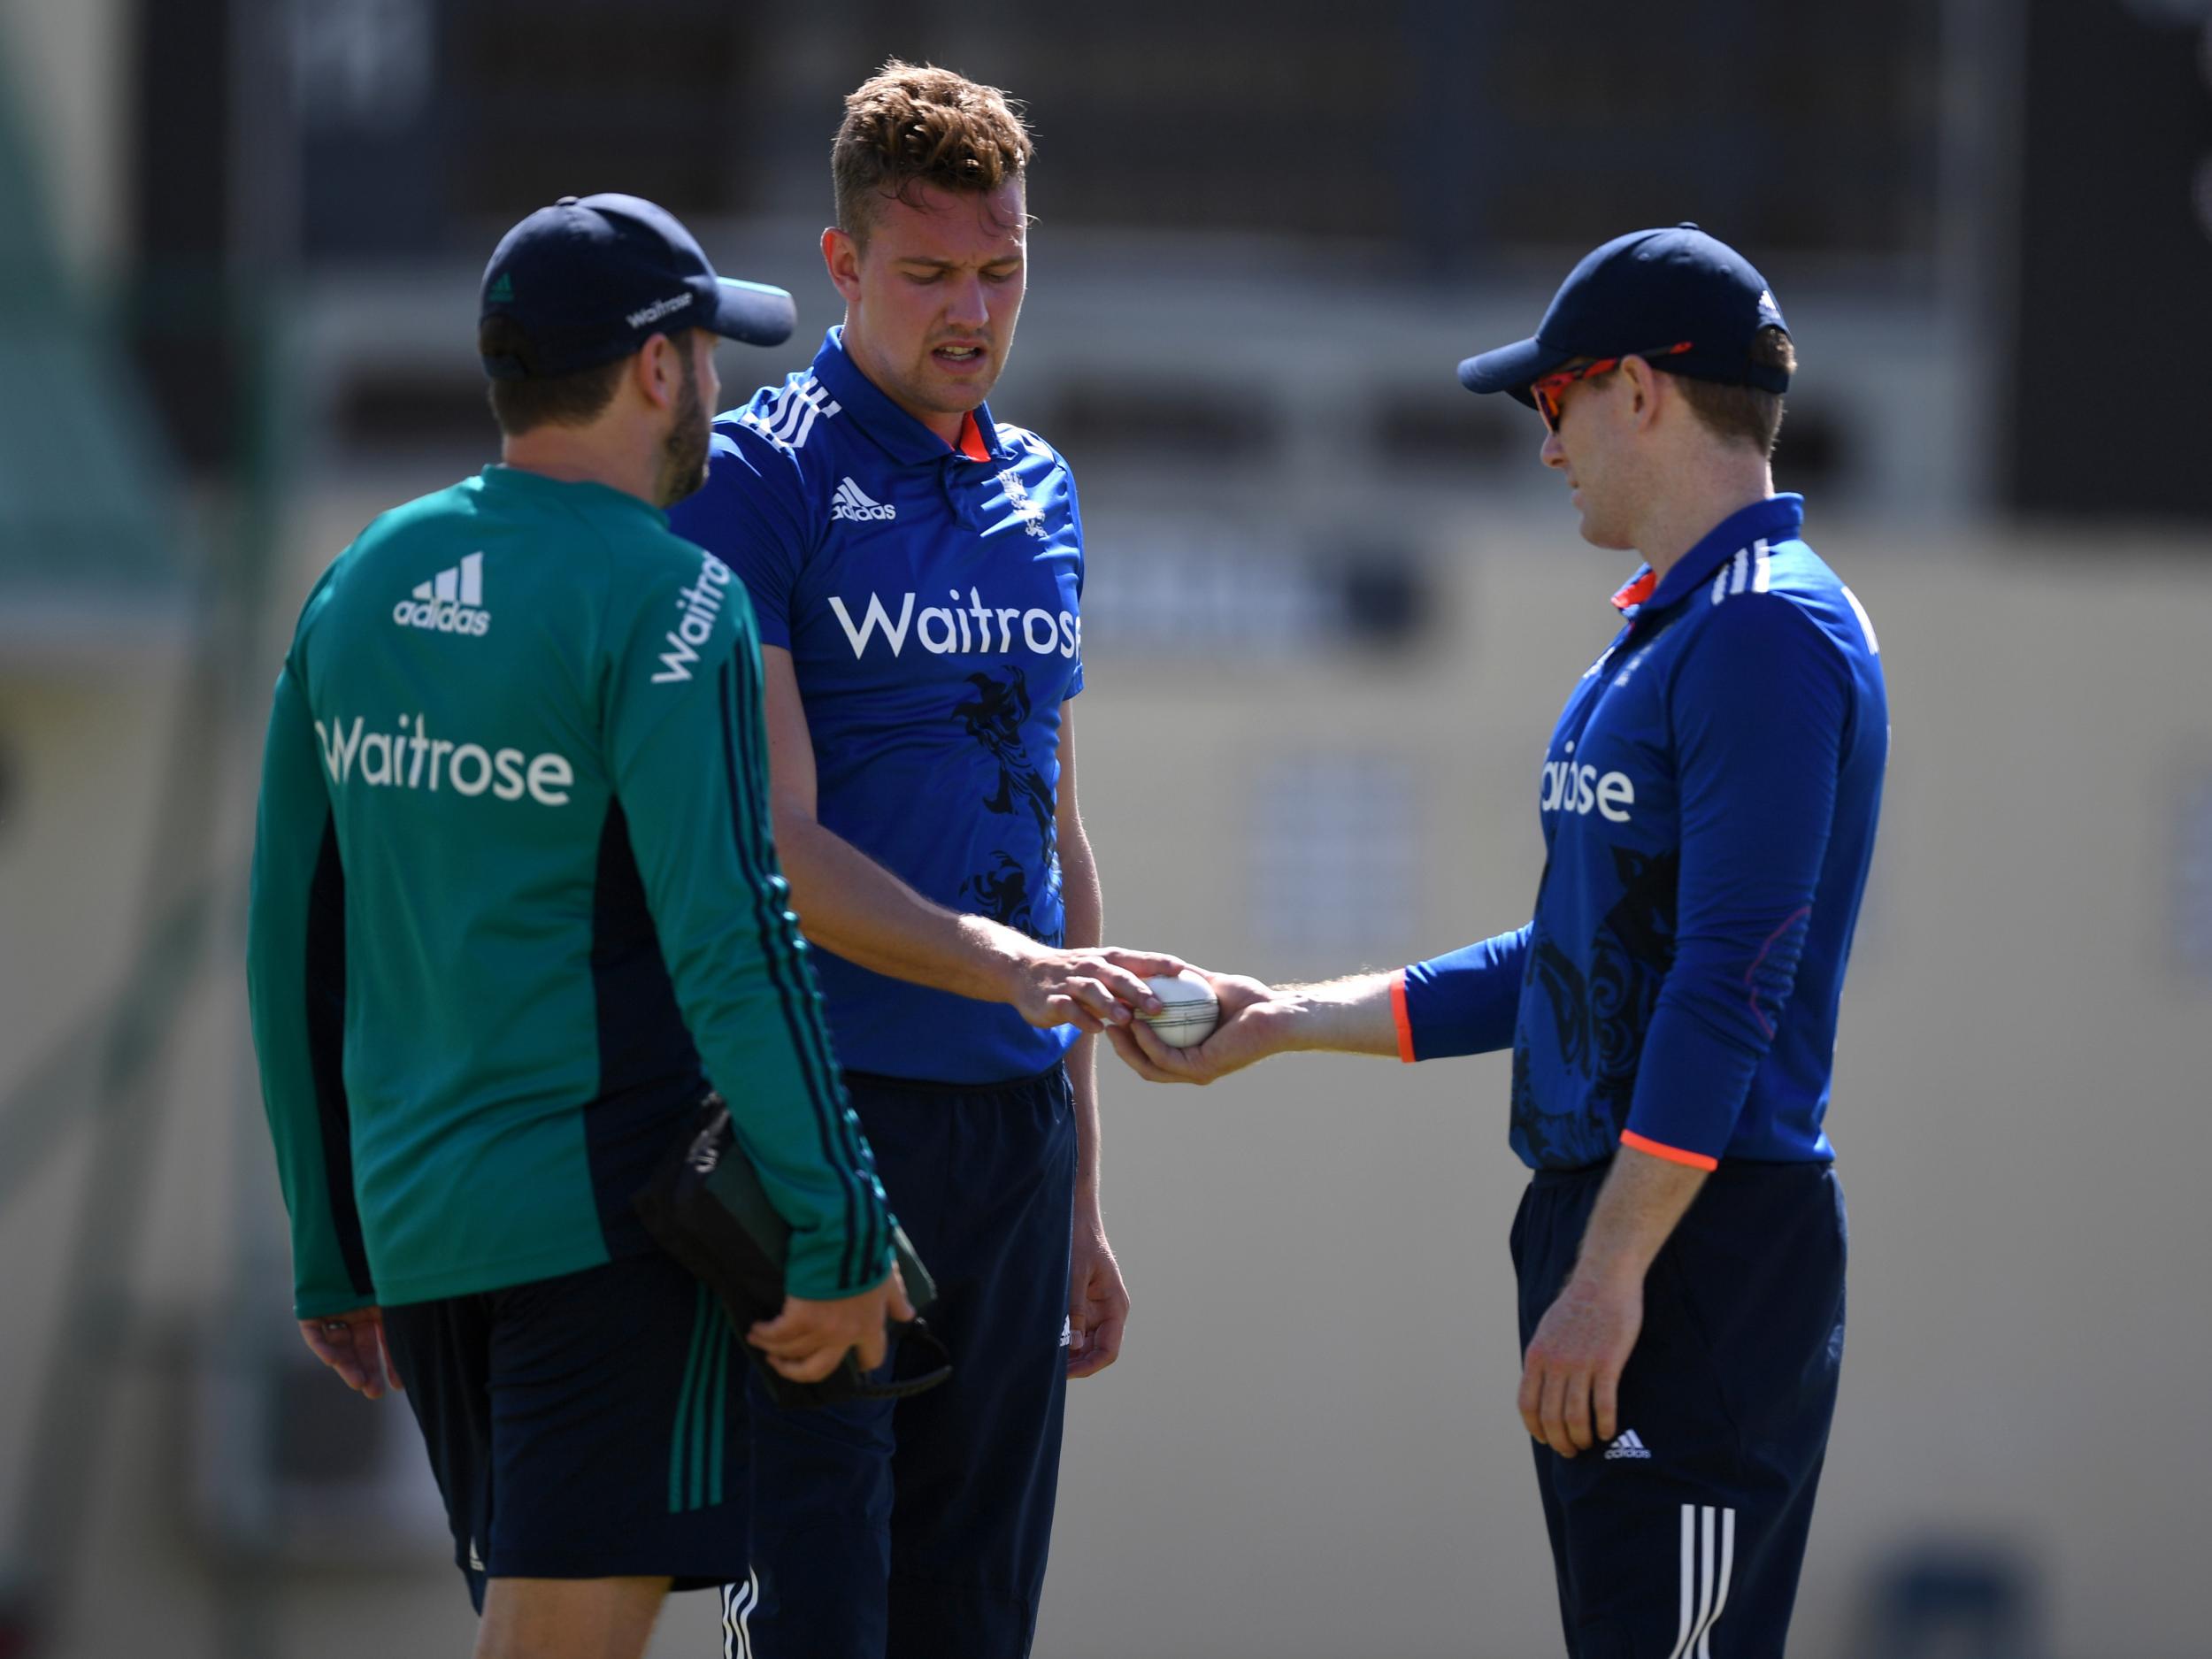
(410, 758)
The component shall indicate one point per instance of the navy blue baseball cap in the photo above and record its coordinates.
(591, 278)
(1688, 302)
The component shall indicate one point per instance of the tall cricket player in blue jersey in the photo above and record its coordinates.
(1708, 805)
(917, 569)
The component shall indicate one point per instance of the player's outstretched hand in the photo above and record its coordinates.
(809, 1339)
(1255, 1022)
(1100, 988)
(354, 1345)
(1570, 1379)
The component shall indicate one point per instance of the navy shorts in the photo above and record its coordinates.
(918, 1529)
(1683, 1539)
(588, 1426)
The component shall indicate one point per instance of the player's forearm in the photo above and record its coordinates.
(1085, 903)
(1347, 1016)
(1642, 1200)
(1083, 1082)
(849, 903)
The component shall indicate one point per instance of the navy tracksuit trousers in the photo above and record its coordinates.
(918, 1529)
(1683, 1539)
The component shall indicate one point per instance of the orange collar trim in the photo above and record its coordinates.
(1636, 591)
(972, 444)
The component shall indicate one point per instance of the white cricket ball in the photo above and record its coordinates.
(1188, 1012)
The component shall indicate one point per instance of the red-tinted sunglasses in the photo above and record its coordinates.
(1546, 391)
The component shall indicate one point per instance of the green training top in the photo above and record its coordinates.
(513, 884)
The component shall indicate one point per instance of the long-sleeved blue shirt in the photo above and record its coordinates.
(1708, 804)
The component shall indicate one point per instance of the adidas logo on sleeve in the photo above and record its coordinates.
(451, 602)
(852, 502)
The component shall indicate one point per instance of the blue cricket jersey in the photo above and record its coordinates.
(1708, 804)
(930, 597)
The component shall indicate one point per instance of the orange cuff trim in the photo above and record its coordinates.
(1404, 1020)
(1673, 1155)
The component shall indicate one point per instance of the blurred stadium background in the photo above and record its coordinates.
(1334, 606)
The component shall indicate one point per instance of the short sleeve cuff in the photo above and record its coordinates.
(1691, 1084)
(772, 628)
(1672, 1154)
(1401, 1018)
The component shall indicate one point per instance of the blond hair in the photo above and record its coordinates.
(912, 124)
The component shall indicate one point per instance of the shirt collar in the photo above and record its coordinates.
(1775, 518)
(499, 476)
(906, 439)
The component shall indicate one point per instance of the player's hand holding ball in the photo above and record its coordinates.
(1189, 1010)
(1208, 1026)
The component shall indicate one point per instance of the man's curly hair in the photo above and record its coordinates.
(912, 124)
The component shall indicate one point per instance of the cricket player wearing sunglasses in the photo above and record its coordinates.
(1708, 806)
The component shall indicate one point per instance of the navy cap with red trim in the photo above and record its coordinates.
(1640, 295)
(591, 278)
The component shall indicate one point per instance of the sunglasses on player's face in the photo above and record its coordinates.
(1547, 391)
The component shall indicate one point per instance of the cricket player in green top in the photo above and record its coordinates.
(515, 908)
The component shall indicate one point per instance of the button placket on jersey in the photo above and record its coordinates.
(948, 474)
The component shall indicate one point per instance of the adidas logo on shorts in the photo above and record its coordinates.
(852, 502)
(1627, 1446)
(449, 603)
